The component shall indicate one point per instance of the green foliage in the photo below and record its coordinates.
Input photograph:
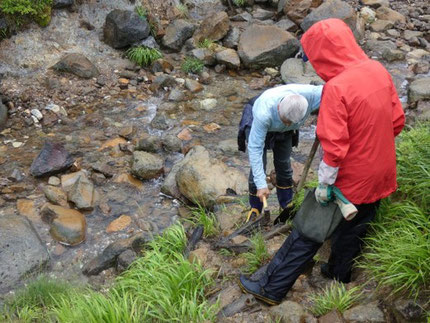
(258, 256)
(205, 43)
(399, 248)
(183, 10)
(300, 196)
(413, 165)
(200, 216)
(141, 11)
(38, 10)
(240, 3)
(143, 56)
(335, 296)
(192, 65)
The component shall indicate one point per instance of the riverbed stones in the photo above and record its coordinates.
(266, 46)
(206, 55)
(376, 3)
(146, 165)
(297, 10)
(149, 143)
(202, 179)
(262, 14)
(229, 58)
(177, 33)
(82, 193)
(119, 224)
(214, 27)
(61, 4)
(78, 65)
(193, 85)
(22, 251)
(364, 313)
(52, 159)
(67, 226)
(385, 13)
(3, 115)
(408, 310)
(123, 28)
(27, 208)
(391, 55)
(289, 311)
(294, 70)
(55, 195)
(419, 90)
(208, 104)
(172, 143)
(231, 40)
(368, 15)
(287, 25)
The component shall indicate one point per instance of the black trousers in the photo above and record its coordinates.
(290, 260)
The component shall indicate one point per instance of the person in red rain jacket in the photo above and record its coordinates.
(359, 117)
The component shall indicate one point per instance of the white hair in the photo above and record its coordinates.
(293, 107)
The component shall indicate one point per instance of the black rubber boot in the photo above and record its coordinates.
(254, 288)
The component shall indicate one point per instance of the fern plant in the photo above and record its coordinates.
(143, 56)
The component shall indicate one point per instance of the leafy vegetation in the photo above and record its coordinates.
(200, 216)
(240, 3)
(19, 10)
(183, 10)
(259, 254)
(141, 11)
(143, 56)
(335, 296)
(300, 196)
(192, 65)
(205, 43)
(161, 286)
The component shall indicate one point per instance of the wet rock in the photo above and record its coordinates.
(119, 224)
(416, 55)
(214, 27)
(391, 55)
(364, 313)
(54, 180)
(55, 195)
(193, 86)
(22, 251)
(177, 33)
(16, 175)
(202, 179)
(410, 34)
(162, 65)
(52, 159)
(419, 90)
(125, 259)
(172, 144)
(393, 33)
(123, 28)
(244, 16)
(68, 180)
(287, 25)
(60, 4)
(228, 146)
(421, 67)
(261, 14)
(407, 310)
(3, 115)
(266, 46)
(334, 9)
(146, 165)
(332, 317)
(208, 104)
(149, 143)
(381, 25)
(165, 80)
(368, 15)
(149, 42)
(294, 70)
(289, 312)
(78, 65)
(231, 40)
(229, 58)
(129, 179)
(386, 13)
(82, 193)
(108, 258)
(376, 3)
(205, 55)
(27, 208)
(176, 96)
(229, 216)
(297, 10)
(67, 226)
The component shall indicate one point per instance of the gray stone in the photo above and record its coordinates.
(125, 259)
(176, 95)
(22, 251)
(52, 159)
(108, 258)
(193, 86)
(334, 9)
(385, 13)
(391, 55)
(261, 14)
(376, 3)
(231, 40)
(205, 55)
(244, 16)
(368, 15)
(177, 33)
(149, 42)
(202, 179)
(421, 67)
(214, 27)
(331, 317)
(165, 80)
(294, 70)
(409, 34)
(172, 144)
(266, 46)
(229, 57)
(407, 310)
(393, 33)
(3, 115)
(364, 313)
(297, 10)
(287, 25)
(288, 312)
(123, 28)
(208, 104)
(146, 165)
(82, 193)
(419, 90)
(55, 195)
(60, 4)
(377, 47)
(78, 65)
(228, 146)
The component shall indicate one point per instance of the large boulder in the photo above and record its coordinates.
(177, 33)
(213, 27)
(3, 115)
(146, 165)
(202, 179)
(77, 64)
(22, 251)
(52, 159)
(266, 46)
(294, 70)
(123, 28)
(419, 90)
(335, 9)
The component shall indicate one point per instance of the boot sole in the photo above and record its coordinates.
(266, 300)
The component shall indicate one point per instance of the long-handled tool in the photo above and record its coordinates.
(254, 212)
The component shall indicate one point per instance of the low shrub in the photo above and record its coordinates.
(192, 65)
(20, 10)
(143, 56)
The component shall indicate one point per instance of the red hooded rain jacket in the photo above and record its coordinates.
(360, 113)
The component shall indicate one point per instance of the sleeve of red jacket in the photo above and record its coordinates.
(332, 127)
(398, 114)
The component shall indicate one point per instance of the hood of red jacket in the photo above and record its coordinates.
(331, 47)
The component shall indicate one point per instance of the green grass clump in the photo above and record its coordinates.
(192, 65)
(413, 165)
(240, 3)
(143, 56)
(201, 216)
(259, 254)
(141, 11)
(19, 10)
(399, 248)
(205, 43)
(183, 10)
(335, 296)
(300, 196)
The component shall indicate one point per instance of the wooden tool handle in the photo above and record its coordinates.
(264, 202)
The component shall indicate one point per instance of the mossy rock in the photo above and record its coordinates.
(44, 18)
